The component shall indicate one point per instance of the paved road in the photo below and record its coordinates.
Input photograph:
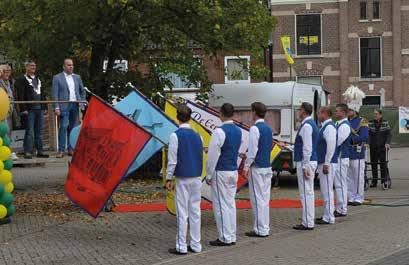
(370, 235)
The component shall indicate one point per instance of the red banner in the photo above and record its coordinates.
(107, 145)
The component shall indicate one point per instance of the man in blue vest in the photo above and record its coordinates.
(327, 159)
(341, 170)
(222, 165)
(257, 169)
(305, 156)
(185, 159)
(359, 137)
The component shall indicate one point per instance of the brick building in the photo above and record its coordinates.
(343, 42)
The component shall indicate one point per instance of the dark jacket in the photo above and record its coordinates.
(379, 133)
(25, 92)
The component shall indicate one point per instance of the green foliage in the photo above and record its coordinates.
(158, 37)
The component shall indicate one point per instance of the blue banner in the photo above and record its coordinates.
(146, 114)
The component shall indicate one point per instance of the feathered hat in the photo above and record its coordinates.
(353, 96)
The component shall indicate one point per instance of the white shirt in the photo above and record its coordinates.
(254, 137)
(306, 136)
(343, 132)
(215, 146)
(330, 136)
(173, 153)
(71, 86)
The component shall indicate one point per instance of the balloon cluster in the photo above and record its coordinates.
(6, 185)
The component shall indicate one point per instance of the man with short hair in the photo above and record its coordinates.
(185, 162)
(221, 169)
(29, 89)
(327, 159)
(359, 138)
(67, 86)
(257, 169)
(305, 156)
(341, 170)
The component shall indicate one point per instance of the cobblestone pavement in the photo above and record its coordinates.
(370, 235)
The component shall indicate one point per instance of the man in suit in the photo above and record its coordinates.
(32, 115)
(67, 86)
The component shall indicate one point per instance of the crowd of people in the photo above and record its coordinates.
(335, 151)
(29, 105)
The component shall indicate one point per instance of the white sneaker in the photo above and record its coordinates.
(13, 156)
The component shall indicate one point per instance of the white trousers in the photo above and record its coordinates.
(327, 191)
(356, 180)
(188, 208)
(259, 189)
(341, 186)
(306, 189)
(224, 186)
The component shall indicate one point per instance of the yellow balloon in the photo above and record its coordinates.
(1, 165)
(9, 187)
(4, 104)
(5, 177)
(3, 211)
(5, 153)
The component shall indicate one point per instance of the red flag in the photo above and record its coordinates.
(107, 145)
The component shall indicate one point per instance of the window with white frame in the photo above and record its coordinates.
(310, 80)
(370, 57)
(179, 81)
(308, 37)
(237, 69)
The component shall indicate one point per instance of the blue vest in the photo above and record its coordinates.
(265, 145)
(343, 149)
(298, 145)
(190, 154)
(230, 150)
(322, 145)
(362, 135)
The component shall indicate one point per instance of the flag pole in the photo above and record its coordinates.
(99, 98)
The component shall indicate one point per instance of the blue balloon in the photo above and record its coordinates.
(74, 134)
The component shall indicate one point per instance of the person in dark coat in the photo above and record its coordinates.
(379, 144)
(32, 115)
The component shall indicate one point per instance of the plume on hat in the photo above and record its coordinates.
(353, 96)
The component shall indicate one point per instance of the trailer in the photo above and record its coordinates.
(283, 101)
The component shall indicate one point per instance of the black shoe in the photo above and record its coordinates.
(373, 185)
(350, 203)
(175, 252)
(42, 155)
(320, 221)
(28, 156)
(5, 221)
(254, 234)
(190, 249)
(337, 214)
(302, 228)
(356, 204)
(218, 243)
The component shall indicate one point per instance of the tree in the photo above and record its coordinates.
(157, 37)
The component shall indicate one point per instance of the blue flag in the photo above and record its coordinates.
(147, 115)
